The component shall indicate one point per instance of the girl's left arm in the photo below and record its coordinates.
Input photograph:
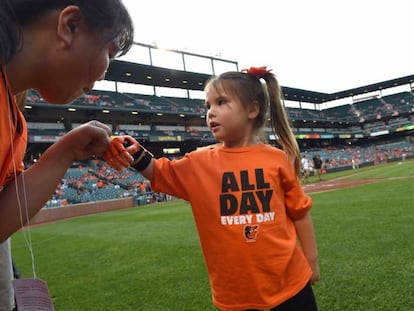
(306, 234)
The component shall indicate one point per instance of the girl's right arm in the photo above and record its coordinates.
(148, 173)
(125, 151)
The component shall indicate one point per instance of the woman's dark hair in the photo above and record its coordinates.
(99, 14)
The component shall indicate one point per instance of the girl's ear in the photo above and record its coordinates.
(253, 110)
(68, 24)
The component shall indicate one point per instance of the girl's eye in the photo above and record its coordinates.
(208, 106)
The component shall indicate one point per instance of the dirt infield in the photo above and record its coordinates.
(335, 184)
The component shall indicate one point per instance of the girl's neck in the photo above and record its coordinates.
(248, 141)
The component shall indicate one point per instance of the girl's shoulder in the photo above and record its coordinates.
(272, 150)
(217, 150)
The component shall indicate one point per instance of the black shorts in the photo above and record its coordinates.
(302, 301)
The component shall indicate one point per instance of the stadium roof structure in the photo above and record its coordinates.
(122, 71)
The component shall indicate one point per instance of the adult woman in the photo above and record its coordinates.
(60, 48)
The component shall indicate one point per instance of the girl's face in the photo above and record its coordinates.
(228, 120)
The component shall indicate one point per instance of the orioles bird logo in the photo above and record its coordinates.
(250, 232)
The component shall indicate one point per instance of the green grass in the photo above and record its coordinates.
(365, 237)
(149, 258)
(390, 170)
(146, 258)
(394, 169)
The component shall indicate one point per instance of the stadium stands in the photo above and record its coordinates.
(97, 182)
(387, 113)
(369, 131)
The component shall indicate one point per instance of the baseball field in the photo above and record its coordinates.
(149, 258)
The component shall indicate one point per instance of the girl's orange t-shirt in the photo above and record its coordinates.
(244, 201)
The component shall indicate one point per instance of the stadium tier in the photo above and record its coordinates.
(154, 116)
(369, 125)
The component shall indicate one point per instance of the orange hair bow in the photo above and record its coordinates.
(257, 71)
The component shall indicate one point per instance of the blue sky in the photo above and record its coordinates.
(318, 45)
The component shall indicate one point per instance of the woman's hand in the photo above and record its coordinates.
(85, 141)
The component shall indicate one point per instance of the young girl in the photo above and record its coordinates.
(246, 197)
(60, 48)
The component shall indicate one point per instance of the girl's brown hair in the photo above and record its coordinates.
(265, 90)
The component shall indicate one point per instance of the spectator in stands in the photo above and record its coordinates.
(317, 165)
(100, 184)
(60, 50)
(260, 197)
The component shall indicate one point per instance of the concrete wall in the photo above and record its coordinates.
(76, 210)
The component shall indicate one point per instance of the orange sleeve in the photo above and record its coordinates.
(173, 182)
(11, 162)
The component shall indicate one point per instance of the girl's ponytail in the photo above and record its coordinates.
(271, 98)
(280, 122)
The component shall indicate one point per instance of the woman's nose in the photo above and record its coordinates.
(102, 77)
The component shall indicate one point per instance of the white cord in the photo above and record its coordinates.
(26, 232)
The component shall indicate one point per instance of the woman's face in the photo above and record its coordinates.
(80, 58)
(79, 72)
